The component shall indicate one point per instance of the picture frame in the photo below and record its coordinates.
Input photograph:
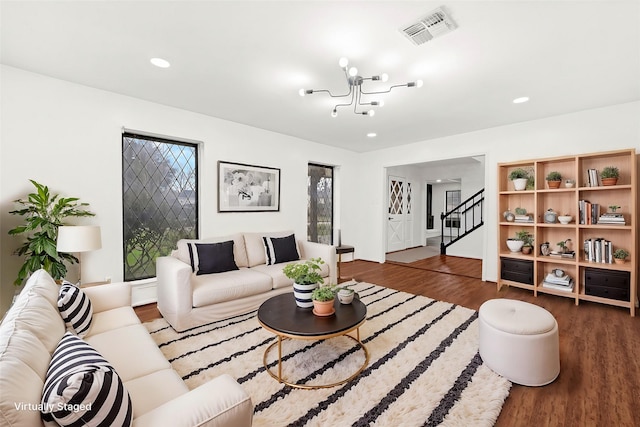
(248, 188)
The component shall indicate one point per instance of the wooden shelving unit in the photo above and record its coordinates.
(563, 201)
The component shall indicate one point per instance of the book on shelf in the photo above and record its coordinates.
(593, 178)
(523, 218)
(598, 250)
(588, 213)
(568, 254)
(565, 280)
(558, 287)
(612, 218)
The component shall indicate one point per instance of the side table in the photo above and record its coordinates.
(343, 249)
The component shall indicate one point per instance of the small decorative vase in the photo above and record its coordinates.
(345, 296)
(526, 250)
(619, 261)
(554, 184)
(302, 294)
(323, 308)
(609, 181)
(545, 249)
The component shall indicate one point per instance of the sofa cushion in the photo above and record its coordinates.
(112, 319)
(153, 390)
(255, 246)
(215, 288)
(280, 249)
(82, 388)
(239, 251)
(23, 366)
(208, 258)
(75, 309)
(122, 346)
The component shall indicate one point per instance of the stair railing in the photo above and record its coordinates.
(468, 215)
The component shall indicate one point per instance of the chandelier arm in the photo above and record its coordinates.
(332, 95)
(384, 91)
(345, 105)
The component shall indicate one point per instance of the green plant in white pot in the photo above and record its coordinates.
(305, 276)
(519, 176)
(43, 213)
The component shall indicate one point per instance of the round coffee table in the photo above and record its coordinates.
(281, 316)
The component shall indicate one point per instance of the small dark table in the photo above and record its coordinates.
(340, 250)
(281, 316)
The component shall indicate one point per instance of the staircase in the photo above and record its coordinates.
(465, 218)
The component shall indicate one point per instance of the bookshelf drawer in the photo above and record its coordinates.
(607, 279)
(516, 270)
(606, 292)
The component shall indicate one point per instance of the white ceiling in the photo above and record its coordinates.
(245, 61)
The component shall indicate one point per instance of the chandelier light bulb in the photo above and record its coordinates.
(343, 62)
(301, 92)
(353, 71)
(381, 103)
(371, 113)
(334, 113)
(384, 77)
(419, 83)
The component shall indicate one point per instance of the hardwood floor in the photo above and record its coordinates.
(599, 380)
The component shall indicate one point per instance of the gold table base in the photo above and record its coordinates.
(279, 376)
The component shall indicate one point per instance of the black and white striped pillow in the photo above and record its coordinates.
(82, 388)
(75, 308)
(280, 249)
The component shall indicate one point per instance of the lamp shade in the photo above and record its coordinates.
(78, 238)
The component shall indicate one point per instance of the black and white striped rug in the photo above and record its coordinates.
(424, 367)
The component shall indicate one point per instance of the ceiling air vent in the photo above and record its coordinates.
(433, 25)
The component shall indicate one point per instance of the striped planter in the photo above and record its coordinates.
(302, 294)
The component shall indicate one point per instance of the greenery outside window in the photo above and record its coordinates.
(159, 199)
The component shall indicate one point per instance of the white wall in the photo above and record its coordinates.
(68, 137)
(602, 129)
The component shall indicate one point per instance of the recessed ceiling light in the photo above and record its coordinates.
(521, 100)
(438, 180)
(159, 62)
(372, 134)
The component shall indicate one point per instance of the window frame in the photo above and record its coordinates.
(164, 140)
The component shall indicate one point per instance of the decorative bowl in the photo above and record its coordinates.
(515, 245)
(565, 219)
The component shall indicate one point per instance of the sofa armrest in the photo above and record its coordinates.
(220, 402)
(319, 250)
(108, 296)
(175, 295)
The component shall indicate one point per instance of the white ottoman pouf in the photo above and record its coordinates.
(519, 341)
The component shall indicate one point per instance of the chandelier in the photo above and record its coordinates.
(355, 93)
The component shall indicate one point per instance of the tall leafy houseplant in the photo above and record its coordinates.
(43, 213)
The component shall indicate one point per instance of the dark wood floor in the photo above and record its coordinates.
(599, 382)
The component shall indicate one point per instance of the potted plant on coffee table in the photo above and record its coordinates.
(323, 299)
(305, 276)
(345, 294)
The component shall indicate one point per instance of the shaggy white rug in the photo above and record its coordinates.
(424, 367)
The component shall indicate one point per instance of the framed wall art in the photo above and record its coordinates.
(248, 188)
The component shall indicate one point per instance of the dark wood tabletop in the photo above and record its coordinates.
(283, 316)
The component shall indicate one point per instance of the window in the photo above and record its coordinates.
(159, 199)
(320, 204)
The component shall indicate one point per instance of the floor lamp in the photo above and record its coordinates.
(78, 239)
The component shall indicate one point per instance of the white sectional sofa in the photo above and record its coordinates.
(187, 299)
(32, 328)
